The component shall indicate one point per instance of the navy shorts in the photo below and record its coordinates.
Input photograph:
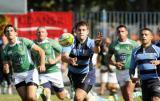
(82, 81)
(150, 88)
(51, 86)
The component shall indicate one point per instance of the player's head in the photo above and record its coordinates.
(10, 31)
(41, 33)
(82, 30)
(146, 36)
(122, 32)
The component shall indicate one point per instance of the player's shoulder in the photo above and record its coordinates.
(49, 39)
(132, 41)
(6, 47)
(22, 39)
(136, 49)
(156, 47)
(89, 42)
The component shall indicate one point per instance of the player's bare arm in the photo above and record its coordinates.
(155, 62)
(67, 59)
(51, 61)
(119, 65)
(41, 53)
(98, 41)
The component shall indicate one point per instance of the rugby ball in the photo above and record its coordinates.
(66, 39)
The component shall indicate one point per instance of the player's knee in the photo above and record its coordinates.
(47, 93)
(78, 98)
(62, 95)
(113, 89)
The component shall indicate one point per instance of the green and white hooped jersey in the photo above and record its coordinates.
(52, 49)
(19, 55)
(123, 51)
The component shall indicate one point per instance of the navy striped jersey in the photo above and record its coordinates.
(142, 57)
(83, 52)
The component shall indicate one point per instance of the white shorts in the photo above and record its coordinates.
(55, 78)
(108, 77)
(28, 76)
(123, 77)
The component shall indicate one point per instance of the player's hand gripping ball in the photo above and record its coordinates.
(66, 39)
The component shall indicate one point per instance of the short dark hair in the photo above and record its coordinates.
(7, 26)
(121, 26)
(81, 23)
(145, 28)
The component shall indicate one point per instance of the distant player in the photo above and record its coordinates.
(122, 49)
(52, 77)
(108, 75)
(5, 78)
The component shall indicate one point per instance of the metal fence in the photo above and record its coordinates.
(107, 21)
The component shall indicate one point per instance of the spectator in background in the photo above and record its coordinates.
(79, 58)
(108, 76)
(157, 42)
(147, 59)
(52, 77)
(17, 53)
(6, 78)
(122, 49)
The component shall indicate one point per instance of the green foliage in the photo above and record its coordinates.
(88, 5)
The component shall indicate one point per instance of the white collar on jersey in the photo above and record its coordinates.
(17, 42)
(125, 42)
(44, 41)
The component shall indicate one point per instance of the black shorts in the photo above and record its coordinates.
(23, 83)
(82, 81)
(150, 88)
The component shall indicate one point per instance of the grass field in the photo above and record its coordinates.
(54, 98)
(17, 98)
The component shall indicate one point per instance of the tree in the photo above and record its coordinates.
(87, 5)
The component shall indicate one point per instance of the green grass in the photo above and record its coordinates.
(9, 98)
(54, 98)
(17, 98)
(121, 99)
